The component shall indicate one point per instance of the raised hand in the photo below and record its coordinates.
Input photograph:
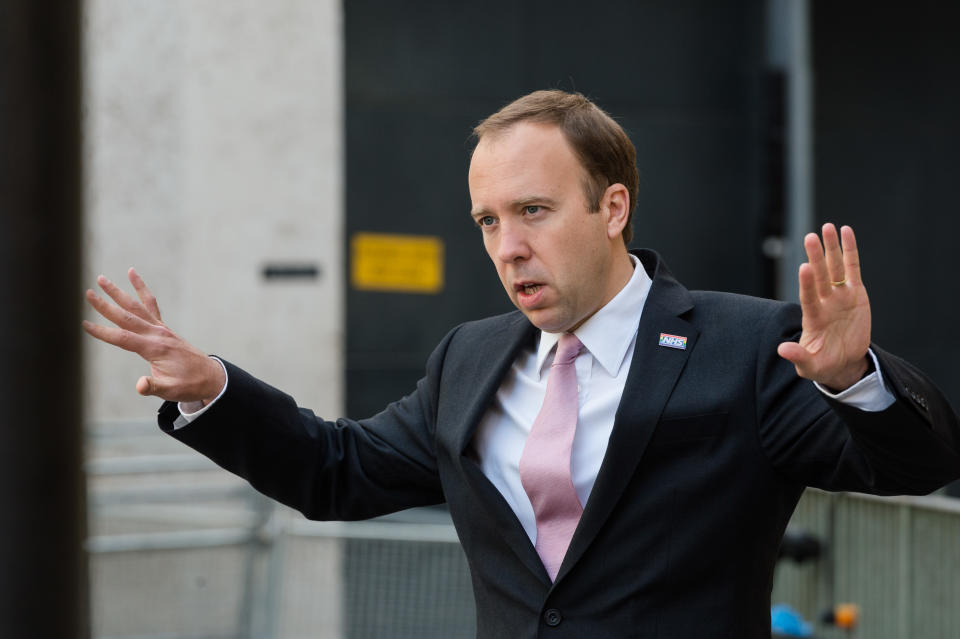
(836, 313)
(178, 371)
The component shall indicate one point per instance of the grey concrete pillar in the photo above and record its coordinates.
(43, 577)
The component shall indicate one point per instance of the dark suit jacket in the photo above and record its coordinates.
(710, 451)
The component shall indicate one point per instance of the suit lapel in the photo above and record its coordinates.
(653, 374)
(494, 356)
(493, 361)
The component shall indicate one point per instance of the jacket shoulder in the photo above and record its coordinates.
(487, 328)
(744, 310)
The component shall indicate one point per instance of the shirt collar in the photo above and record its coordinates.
(608, 334)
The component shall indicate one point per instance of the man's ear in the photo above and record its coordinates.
(616, 204)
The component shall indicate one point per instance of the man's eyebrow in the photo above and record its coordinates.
(526, 200)
(534, 199)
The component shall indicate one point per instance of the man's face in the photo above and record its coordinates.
(554, 257)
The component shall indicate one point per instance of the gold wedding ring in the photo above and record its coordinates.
(840, 283)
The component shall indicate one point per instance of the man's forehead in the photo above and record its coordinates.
(521, 147)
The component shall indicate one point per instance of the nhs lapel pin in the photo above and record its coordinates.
(673, 341)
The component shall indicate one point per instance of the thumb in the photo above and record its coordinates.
(793, 353)
(147, 386)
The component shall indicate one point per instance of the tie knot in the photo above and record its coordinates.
(567, 349)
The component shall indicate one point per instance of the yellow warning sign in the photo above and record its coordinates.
(396, 263)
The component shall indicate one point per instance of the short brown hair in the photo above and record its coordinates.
(604, 150)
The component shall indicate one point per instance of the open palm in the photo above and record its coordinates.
(836, 312)
(178, 370)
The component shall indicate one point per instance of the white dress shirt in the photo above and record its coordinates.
(608, 337)
(608, 343)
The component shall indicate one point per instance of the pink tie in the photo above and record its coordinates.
(545, 461)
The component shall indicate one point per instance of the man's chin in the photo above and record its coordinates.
(545, 320)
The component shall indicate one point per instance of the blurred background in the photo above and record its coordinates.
(262, 164)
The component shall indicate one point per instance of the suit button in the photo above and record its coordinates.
(552, 617)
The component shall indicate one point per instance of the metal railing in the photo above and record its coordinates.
(897, 558)
(181, 549)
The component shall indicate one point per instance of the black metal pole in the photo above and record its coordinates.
(43, 572)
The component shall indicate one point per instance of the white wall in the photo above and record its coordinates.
(214, 145)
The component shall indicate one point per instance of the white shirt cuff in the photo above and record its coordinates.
(869, 394)
(189, 411)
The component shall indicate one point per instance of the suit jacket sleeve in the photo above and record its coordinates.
(343, 469)
(912, 447)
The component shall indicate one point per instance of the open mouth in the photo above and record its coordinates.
(527, 288)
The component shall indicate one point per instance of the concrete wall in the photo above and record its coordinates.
(213, 147)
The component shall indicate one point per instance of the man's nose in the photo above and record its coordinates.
(513, 244)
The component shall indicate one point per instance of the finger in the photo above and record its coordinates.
(809, 297)
(833, 254)
(818, 263)
(851, 256)
(120, 338)
(123, 299)
(123, 319)
(146, 297)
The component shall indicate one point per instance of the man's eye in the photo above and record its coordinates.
(486, 220)
(532, 208)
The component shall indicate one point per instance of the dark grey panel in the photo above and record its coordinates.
(407, 174)
(425, 50)
(662, 55)
(698, 205)
(887, 161)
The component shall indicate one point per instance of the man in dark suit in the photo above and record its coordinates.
(697, 419)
